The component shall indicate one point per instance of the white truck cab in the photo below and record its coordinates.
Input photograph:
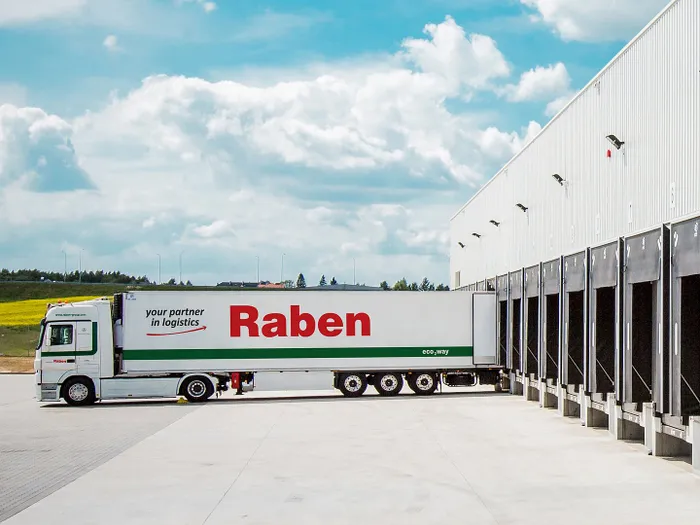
(68, 352)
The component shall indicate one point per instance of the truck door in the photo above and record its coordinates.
(87, 358)
(58, 351)
(484, 328)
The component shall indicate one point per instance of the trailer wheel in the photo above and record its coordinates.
(388, 383)
(197, 389)
(79, 391)
(353, 384)
(423, 384)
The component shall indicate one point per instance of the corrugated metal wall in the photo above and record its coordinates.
(649, 97)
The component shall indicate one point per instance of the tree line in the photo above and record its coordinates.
(92, 277)
(400, 285)
(102, 277)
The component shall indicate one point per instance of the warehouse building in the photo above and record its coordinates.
(590, 237)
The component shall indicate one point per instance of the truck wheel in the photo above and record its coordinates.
(352, 385)
(388, 383)
(423, 384)
(79, 391)
(197, 389)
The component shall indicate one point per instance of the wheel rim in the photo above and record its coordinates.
(196, 388)
(78, 392)
(352, 383)
(389, 382)
(425, 382)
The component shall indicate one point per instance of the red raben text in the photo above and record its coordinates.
(300, 324)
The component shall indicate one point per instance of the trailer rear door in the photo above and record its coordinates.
(485, 336)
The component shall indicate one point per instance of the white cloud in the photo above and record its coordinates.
(539, 83)
(15, 12)
(556, 105)
(455, 58)
(595, 20)
(363, 161)
(36, 152)
(218, 228)
(111, 43)
(499, 145)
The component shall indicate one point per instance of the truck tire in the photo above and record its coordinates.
(197, 389)
(423, 383)
(78, 391)
(388, 383)
(352, 384)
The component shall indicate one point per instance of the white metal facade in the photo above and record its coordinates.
(649, 97)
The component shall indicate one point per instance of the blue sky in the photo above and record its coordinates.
(226, 130)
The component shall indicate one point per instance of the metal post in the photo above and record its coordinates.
(282, 271)
(80, 266)
(159, 281)
(181, 266)
(258, 273)
(65, 265)
(353, 271)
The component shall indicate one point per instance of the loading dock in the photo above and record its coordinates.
(685, 320)
(502, 296)
(515, 329)
(550, 346)
(531, 332)
(604, 315)
(572, 364)
(645, 330)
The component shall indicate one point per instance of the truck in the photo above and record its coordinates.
(170, 344)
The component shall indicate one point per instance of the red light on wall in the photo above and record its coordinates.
(609, 154)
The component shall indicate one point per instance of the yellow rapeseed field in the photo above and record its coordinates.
(28, 313)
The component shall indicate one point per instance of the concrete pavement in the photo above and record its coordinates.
(476, 458)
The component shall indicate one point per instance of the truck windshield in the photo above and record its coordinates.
(41, 333)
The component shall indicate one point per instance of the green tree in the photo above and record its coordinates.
(401, 285)
(413, 287)
(333, 281)
(322, 282)
(424, 285)
(301, 282)
(384, 285)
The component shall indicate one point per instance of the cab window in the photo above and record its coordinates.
(61, 334)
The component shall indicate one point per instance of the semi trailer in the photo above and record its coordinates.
(167, 344)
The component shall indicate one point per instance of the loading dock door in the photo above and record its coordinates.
(531, 322)
(574, 317)
(485, 336)
(515, 321)
(502, 292)
(645, 331)
(551, 326)
(685, 318)
(604, 316)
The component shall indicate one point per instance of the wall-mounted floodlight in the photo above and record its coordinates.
(460, 244)
(476, 235)
(522, 207)
(495, 223)
(558, 178)
(615, 141)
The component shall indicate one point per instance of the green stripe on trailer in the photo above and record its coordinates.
(298, 353)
